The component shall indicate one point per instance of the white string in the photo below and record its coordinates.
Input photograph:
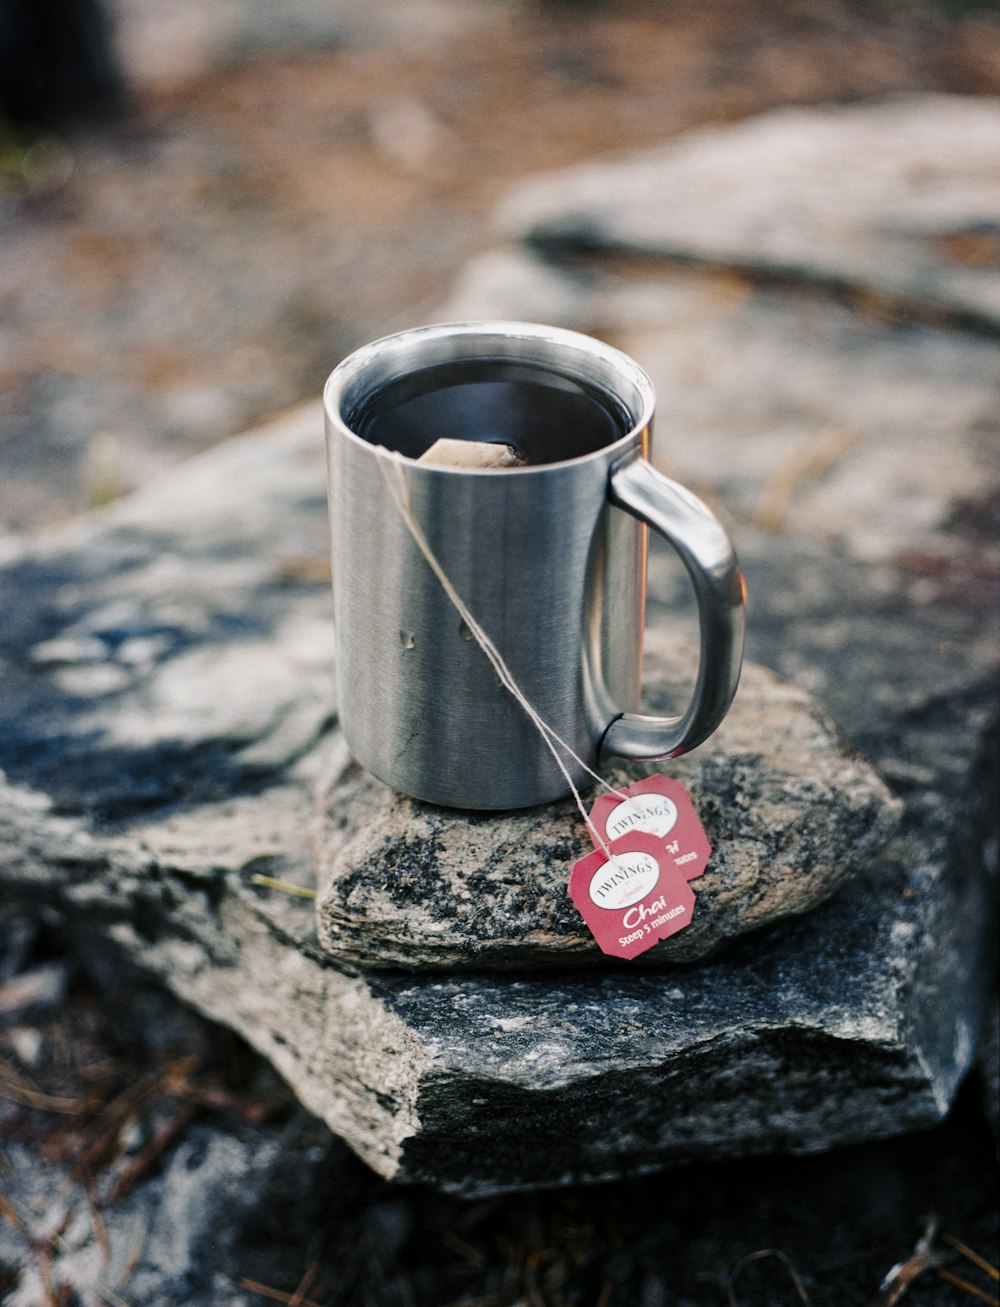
(393, 471)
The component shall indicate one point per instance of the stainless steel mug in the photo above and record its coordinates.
(550, 560)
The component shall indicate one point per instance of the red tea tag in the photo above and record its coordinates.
(634, 898)
(657, 806)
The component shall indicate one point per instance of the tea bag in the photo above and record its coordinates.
(471, 454)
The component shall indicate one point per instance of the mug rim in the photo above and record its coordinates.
(384, 348)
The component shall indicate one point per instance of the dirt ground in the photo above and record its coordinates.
(201, 263)
(121, 1081)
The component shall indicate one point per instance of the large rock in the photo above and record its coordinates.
(166, 715)
(879, 439)
(848, 417)
(790, 811)
(856, 1020)
(895, 201)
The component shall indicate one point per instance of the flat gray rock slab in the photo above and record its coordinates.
(857, 1020)
(878, 439)
(792, 814)
(166, 716)
(897, 200)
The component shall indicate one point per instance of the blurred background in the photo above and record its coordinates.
(204, 206)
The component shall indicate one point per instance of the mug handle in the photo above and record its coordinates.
(707, 553)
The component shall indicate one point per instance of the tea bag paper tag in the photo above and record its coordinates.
(633, 899)
(661, 807)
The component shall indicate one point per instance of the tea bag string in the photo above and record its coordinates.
(394, 473)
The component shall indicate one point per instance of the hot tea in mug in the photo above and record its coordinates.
(543, 415)
(546, 550)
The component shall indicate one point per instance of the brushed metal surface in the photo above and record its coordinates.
(552, 569)
(707, 553)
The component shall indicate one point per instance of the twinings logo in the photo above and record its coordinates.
(654, 813)
(625, 880)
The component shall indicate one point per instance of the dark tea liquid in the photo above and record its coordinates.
(545, 416)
